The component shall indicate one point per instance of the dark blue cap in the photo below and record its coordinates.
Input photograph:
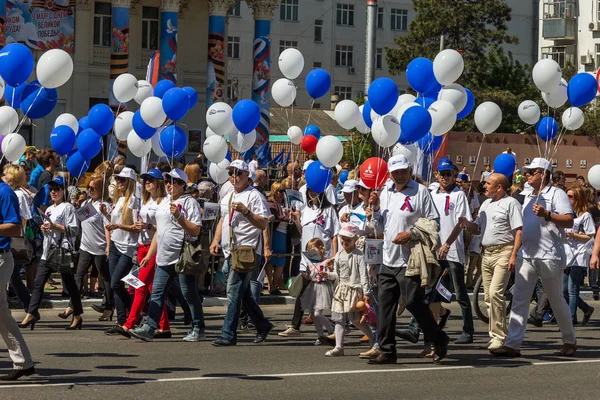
(152, 173)
(445, 164)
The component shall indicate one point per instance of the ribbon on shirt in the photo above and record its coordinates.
(447, 206)
(407, 205)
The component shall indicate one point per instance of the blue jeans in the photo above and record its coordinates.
(238, 293)
(572, 282)
(19, 287)
(119, 265)
(163, 277)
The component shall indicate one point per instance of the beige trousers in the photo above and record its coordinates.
(495, 276)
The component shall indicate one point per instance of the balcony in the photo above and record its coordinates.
(101, 55)
(559, 21)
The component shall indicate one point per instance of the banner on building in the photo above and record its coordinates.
(41, 24)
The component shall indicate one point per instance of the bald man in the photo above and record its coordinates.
(261, 180)
(500, 224)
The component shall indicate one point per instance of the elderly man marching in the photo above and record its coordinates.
(406, 215)
(499, 223)
(546, 213)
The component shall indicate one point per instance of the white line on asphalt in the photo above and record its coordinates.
(292, 375)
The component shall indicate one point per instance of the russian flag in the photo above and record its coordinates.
(152, 74)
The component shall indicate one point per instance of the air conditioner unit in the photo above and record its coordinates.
(351, 70)
(594, 26)
(586, 59)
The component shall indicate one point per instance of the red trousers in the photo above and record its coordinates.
(145, 275)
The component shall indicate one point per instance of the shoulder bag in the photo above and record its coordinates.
(243, 257)
(190, 262)
(60, 259)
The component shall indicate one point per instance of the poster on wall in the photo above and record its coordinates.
(41, 24)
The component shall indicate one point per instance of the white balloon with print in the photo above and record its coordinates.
(54, 68)
(218, 118)
(529, 112)
(284, 92)
(347, 114)
(402, 99)
(488, 117)
(155, 140)
(291, 63)
(593, 176)
(144, 90)
(558, 97)
(361, 126)
(573, 118)
(69, 120)
(137, 145)
(9, 120)
(242, 142)
(410, 151)
(123, 125)
(13, 146)
(546, 74)
(152, 112)
(443, 117)
(455, 94)
(125, 88)
(215, 148)
(330, 151)
(218, 174)
(295, 134)
(448, 66)
(386, 130)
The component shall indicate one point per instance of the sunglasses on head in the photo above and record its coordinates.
(237, 172)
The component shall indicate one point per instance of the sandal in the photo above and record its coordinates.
(568, 350)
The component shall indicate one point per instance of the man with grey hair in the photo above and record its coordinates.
(261, 180)
(119, 160)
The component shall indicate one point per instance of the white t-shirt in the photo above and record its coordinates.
(226, 188)
(169, 234)
(322, 224)
(253, 165)
(24, 204)
(93, 236)
(244, 233)
(329, 193)
(125, 242)
(578, 252)
(399, 211)
(541, 239)
(147, 215)
(451, 206)
(474, 204)
(498, 220)
(63, 214)
(358, 216)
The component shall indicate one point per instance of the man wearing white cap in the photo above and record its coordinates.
(401, 204)
(546, 213)
(329, 190)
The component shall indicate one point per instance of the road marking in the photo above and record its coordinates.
(294, 374)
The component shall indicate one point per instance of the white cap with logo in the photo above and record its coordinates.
(398, 162)
(539, 163)
(239, 164)
(350, 186)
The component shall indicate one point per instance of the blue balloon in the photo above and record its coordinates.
(101, 118)
(16, 63)
(344, 176)
(176, 103)
(430, 143)
(77, 164)
(419, 74)
(414, 124)
(162, 86)
(318, 177)
(547, 128)
(582, 89)
(173, 141)
(433, 91)
(246, 116)
(193, 96)
(366, 114)
(143, 130)
(62, 139)
(36, 101)
(313, 130)
(12, 95)
(505, 164)
(228, 155)
(318, 82)
(84, 123)
(468, 108)
(89, 143)
(383, 95)
(424, 102)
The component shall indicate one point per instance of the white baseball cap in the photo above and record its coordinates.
(539, 163)
(306, 164)
(363, 185)
(239, 164)
(398, 162)
(350, 186)
(177, 174)
(128, 173)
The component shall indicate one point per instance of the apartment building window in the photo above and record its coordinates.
(379, 17)
(399, 20)
(318, 30)
(235, 11)
(345, 14)
(233, 47)
(149, 28)
(343, 56)
(379, 59)
(288, 10)
(317, 64)
(287, 44)
(102, 24)
(597, 59)
(560, 54)
(345, 92)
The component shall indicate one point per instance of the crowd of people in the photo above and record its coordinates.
(149, 241)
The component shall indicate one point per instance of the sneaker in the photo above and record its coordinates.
(495, 345)
(144, 333)
(222, 342)
(290, 332)
(318, 342)
(587, 316)
(327, 340)
(308, 320)
(444, 319)
(464, 338)
(194, 336)
(535, 322)
(335, 352)
(113, 330)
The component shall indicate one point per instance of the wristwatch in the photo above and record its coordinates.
(548, 216)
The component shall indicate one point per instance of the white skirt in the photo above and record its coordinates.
(345, 298)
(317, 296)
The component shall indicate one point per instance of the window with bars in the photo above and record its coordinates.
(399, 20)
(233, 47)
(345, 92)
(287, 44)
(380, 18)
(149, 28)
(560, 54)
(379, 59)
(343, 55)
(102, 24)
(345, 14)
(288, 10)
(318, 30)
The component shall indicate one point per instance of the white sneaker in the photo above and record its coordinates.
(495, 345)
(318, 342)
(290, 332)
(335, 352)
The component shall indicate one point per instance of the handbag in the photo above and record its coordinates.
(243, 257)
(190, 262)
(22, 250)
(295, 289)
(60, 259)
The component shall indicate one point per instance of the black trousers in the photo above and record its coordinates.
(457, 275)
(392, 284)
(101, 263)
(41, 277)
(298, 311)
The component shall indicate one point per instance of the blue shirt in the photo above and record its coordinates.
(35, 176)
(9, 211)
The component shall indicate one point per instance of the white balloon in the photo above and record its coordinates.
(362, 125)
(386, 131)
(347, 114)
(443, 117)
(374, 116)
(9, 120)
(144, 90)
(529, 112)
(330, 151)
(125, 88)
(295, 134)
(137, 145)
(224, 164)
(218, 174)
(155, 140)
(69, 120)
(13, 146)
(152, 112)
(593, 176)
(291, 63)
(123, 125)
(572, 118)
(2, 87)
(402, 99)
(557, 97)
(284, 92)
(455, 94)
(215, 148)
(242, 142)
(408, 150)
(488, 117)
(405, 107)
(546, 74)
(448, 66)
(54, 68)
(210, 132)
(218, 118)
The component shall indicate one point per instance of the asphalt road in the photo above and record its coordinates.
(90, 365)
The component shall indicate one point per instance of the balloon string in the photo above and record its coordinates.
(475, 167)
(538, 144)
(312, 103)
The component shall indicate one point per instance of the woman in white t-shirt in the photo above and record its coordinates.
(177, 219)
(60, 229)
(274, 268)
(123, 241)
(578, 249)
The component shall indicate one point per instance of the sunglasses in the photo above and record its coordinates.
(532, 173)
(120, 179)
(237, 172)
(445, 174)
(149, 180)
(55, 188)
(91, 188)
(177, 181)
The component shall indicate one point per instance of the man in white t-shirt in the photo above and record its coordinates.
(253, 165)
(500, 225)
(243, 219)
(546, 213)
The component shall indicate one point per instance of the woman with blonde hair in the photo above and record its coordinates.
(192, 170)
(278, 231)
